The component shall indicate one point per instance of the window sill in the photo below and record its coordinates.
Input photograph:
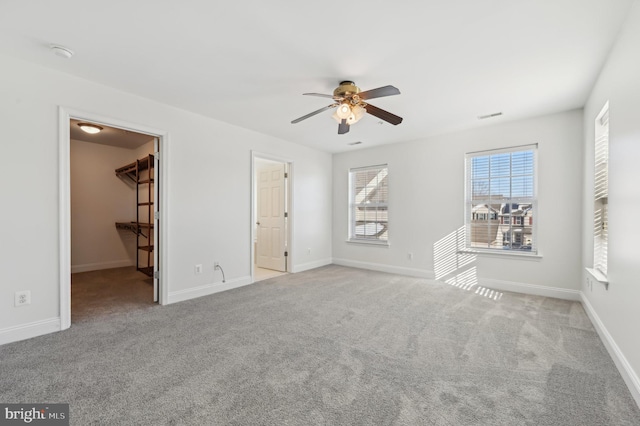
(502, 253)
(369, 243)
(599, 276)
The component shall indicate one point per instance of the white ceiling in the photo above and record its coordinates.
(247, 62)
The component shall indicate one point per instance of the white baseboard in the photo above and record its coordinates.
(310, 265)
(533, 289)
(400, 270)
(626, 371)
(29, 330)
(86, 267)
(207, 289)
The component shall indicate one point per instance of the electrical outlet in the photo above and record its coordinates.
(23, 298)
(198, 269)
(410, 256)
(309, 250)
(216, 264)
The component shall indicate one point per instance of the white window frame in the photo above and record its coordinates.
(601, 194)
(470, 203)
(360, 200)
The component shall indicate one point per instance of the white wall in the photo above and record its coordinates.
(617, 310)
(426, 204)
(99, 199)
(207, 178)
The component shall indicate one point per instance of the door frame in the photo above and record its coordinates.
(289, 205)
(65, 115)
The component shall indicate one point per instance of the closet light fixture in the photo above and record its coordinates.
(90, 128)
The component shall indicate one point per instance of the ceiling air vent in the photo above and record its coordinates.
(484, 117)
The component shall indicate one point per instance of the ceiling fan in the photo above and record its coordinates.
(351, 105)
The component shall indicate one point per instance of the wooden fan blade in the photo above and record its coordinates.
(311, 114)
(343, 127)
(322, 95)
(383, 115)
(379, 92)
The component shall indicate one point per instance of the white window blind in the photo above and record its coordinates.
(368, 204)
(500, 199)
(601, 192)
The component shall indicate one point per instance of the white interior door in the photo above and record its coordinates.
(271, 235)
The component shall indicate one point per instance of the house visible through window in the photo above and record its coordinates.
(601, 192)
(500, 199)
(368, 204)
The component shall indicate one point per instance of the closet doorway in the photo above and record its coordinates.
(271, 220)
(113, 219)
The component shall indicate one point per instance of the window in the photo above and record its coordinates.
(500, 199)
(601, 192)
(368, 204)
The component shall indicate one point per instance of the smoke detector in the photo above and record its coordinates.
(63, 52)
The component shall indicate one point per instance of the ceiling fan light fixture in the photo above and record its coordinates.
(343, 111)
(90, 128)
(357, 112)
(351, 105)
